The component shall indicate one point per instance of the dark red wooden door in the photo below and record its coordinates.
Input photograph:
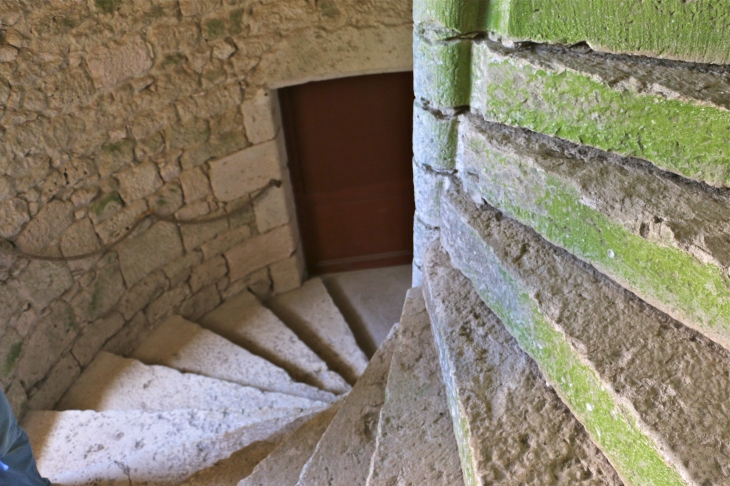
(349, 147)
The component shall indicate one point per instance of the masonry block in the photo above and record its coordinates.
(441, 70)
(674, 116)
(245, 171)
(633, 376)
(423, 236)
(664, 239)
(140, 256)
(434, 138)
(674, 29)
(453, 17)
(428, 185)
(259, 252)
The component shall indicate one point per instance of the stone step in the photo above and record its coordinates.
(241, 464)
(511, 426)
(636, 379)
(284, 465)
(244, 321)
(114, 383)
(628, 105)
(310, 312)
(415, 442)
(187, 347)
(342, 456)
(640, 227)
(137, 447)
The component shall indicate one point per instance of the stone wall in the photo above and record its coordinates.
(572, 158)
(114, 109)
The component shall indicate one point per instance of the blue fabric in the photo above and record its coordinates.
(17, 464)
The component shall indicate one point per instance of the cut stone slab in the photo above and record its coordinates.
(633, 376)
(640, 227)
(185, 346)
(310, 312)
(283, 466)
(511, 426)
(627, 105)
(342, 456)
(240, 464)
(244, 321)
(114, 383)
(415, 443)
(136, 447)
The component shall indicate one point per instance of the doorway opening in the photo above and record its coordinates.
(349, 147)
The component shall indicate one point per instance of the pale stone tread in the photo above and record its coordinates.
(114, 383)
(415, 443)
(243, 320)
(310, 312)
(342, 456)
(187, 347)
(284, 465)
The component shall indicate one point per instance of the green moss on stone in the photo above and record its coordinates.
(455, 16)
(442, 71)
(677, 29)
(98, 206)
(679, 136)
(107, 6)
(696, 293)
(634, 455)
(11, 360)
(215, 29)
(236, 18)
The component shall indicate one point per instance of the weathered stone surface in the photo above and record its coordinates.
(245, 171)
(114, 383)
(283, 466)
(199, 304)
(94, 336)
(51, 389)
(145, 291)
(244, 321)
(343, 454)
(626, 105)
(310, 312)
(164, 305)
(46, 227)
(13, 214)
(138, 182)
(109, 66)
(140, 256)
(441, 70)
(42, 281)
(273, 209)
(423, 236)
(662, 238)
(435, 137)
(225, 241)
(102, 293)
(527, 436)
(428, 186)
(261, 116)
(194, 184)
(207, 273)
(415, 442)
(187, 347)
(260, 251)
(118, 447)
(634, 377)
(287, 274)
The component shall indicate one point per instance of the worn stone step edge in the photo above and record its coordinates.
(415, 443)
(114, 383)
(183, 345)
(342, 456)
(497, 396)
(612, 424)
(311, 313)
(605, 212)
(245, 321)
(284, 465)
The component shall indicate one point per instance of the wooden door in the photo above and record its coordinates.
(349, 147)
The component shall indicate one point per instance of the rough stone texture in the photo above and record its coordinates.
(187, 347)
(114, 383)
(342, 456)
(243, 320)
(94, 336)
(283, 466)
(434, 138)
(423, 236)
(527, 435)
(93, 91)
(287, 274)
(141, 448)
(428, 185)
(634, 377)
(51, 389)
(149, 251)
(250, 169)
(661, 237)
(446, 82)
(623, 104)
(260, 251)
(311, 314)
(415, 443)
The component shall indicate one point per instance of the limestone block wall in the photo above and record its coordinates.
(115, 110)
(571, 158)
